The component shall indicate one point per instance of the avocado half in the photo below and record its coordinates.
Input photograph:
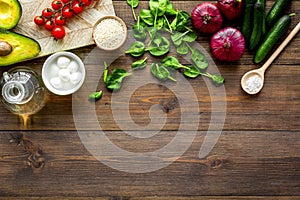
(15, 48)
(10, 13)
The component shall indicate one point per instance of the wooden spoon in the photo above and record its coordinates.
(258, 74)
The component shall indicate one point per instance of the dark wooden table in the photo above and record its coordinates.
(256, 156)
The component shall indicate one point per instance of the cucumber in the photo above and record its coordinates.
(248, 19)
(280, 27)
(276, 11)
(257, 25)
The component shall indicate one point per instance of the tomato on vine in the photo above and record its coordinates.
(58, 32)
(77, 7)
(59, 20)
(49, 25)
(39, 20)
(47, 12)
(67, 12)
(65, 1)
(86, 2)
(56, 4)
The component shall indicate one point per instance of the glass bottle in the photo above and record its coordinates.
(22, 91)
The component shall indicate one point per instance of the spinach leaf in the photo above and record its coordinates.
(160, 72)
(136, 49)
(159, 46)
(147, 17)
(216, 79)
(138, 31)
(114, 80)
(170, 10)
(199, 59)
(183, 49)
(95, 96)
(157, 8)
(162, 23)
(181, 21)
(190, 37)
(133, 4)
(191, 72)
(172, 62)
(139, 64)
(177, 38)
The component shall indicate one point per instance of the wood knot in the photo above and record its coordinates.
(169, 104)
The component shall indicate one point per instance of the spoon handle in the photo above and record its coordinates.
(281, 47)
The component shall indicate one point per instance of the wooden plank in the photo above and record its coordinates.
(242, 163)
(78, 28)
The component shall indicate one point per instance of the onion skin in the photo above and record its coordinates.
(206, 18)
(230, 8)
(228, 44)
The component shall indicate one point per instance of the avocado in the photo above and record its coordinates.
(15, 48)
(10, 13)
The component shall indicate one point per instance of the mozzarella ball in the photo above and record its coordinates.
(56, 82)
(64, 75)
(73, 67)
(75, 77)
(54, 70)
(63, 61)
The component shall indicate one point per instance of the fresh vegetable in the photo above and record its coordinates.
(95, 96)
(198, 58)
(280, 27)
(276, 11)
(206, 18)
(257, 25)
(147, 17)
(194, 72)
(58, 32)
(10, 13)
(182, 21)
(172, 62)
(183, 49)
(138, 31)
(159, 46)
(228, 44)
(15, 48)
(136, 49)
(160, 72)
(114, 80)
(139, 64)
(247, 25)
(230, 8)
(133, 4)
(58, 13)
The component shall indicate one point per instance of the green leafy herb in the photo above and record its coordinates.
(178, 37)
(159, 46)
(114, 80)
(191, 72)
(183, 49)
(172, 62)
(136, 49)
(198, 58)
(216, 79)
(170, 10)
(138, 31)
(181, 21)
(139, 64)
(157, 8)
(190, 37)
(160, 72)
(147, 17)
(133, 4)
(95, 96)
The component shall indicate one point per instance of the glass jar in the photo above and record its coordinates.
(22, 91)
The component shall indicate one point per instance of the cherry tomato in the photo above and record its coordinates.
(65, 1)
(86, 2)
(39, 20)
(47, 12)
(77, 7)
(59, 20)
(56, 4)
(58, 32)
(49, 25)
(66, 12)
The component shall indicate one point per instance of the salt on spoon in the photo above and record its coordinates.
(253, 81)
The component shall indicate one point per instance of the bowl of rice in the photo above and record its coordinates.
(109, 33)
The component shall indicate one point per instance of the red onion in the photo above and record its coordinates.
(228, 44)
(230, 8)
(206, 18)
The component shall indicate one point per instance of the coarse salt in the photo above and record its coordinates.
(254, 83)
(109, 33)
